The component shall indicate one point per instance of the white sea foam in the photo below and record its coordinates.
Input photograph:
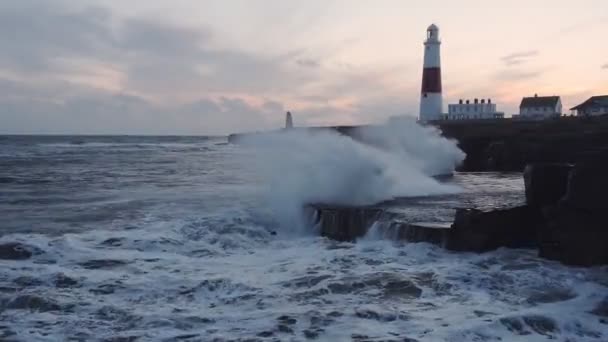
(398, 159)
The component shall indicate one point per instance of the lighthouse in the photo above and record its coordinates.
(431, 100)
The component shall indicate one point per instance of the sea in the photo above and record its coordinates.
(175, 238)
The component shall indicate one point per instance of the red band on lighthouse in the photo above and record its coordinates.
(431, 80)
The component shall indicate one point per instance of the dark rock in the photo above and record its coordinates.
(373, 315)
(545, 183)
(33, 303)
(601, 309)
(514, 325)
(265, 334)
(574, 237)
(311, 334)
(105, 289)
(402, 288)
(26, 281)
(17, 251)
(102, 264)
(576, 232)
(541, 325)
(306, 281)
(63, 281)
(343, 223)
(183, 337)
(551, 296)
(431, 232)
(478, 231)
(113, 242)
(287, 320)
(122, 339)
(588, 186)
(335, 314)
(284, 329)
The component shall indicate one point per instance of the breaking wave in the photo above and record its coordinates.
(395, 160)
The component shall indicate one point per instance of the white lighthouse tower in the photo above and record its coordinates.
(431, 100)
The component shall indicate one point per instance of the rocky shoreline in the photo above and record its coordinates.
(563, 217)
(509, 145)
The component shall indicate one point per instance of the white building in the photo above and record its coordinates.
(594, 106)
(431, 100)
(465, 110)
(540, 107)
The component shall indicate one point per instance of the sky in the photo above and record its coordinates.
(221, 66)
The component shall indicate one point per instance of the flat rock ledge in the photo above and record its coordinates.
(564, 218)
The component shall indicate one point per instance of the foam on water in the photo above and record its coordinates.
(164, 284)
(187, 251)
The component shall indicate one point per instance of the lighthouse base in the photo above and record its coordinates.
(431, 107)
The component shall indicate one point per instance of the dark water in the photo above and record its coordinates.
(171, 238)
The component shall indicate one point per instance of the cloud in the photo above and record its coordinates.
(517, 75)
(96, 112)
(68, 69)
(605, 66)
(519, 57)
(308, 62)
(38, 37)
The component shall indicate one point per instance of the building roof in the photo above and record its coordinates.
(433, 27)
(539, 101)
(601, 100)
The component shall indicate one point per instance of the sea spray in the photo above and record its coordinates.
(302, 166)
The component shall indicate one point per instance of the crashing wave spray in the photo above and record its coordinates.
(303, 166)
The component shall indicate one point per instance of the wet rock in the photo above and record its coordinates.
(110, 313)
(312, 334)
(113, 242)
(431, 232)
(359, 337)
(26, 281)
(545, 183)
(284, 329)
(183, 337)
(514, 325)
(380, 317)
(576, 232)
(307, 281)
(551, 296)
(105, 289)
(480, 313)
(345, 287)
(588, 185)
(103, 264)
(32, 303)
(402, 288)
(541, 325)
(478, 231)
(343, 223)
(17, 251)
(265, 334)
(287, 320)
(122, 339)
(6, 332)
(335, 314)
(527, 325)
(601, 309)
(63, 281)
